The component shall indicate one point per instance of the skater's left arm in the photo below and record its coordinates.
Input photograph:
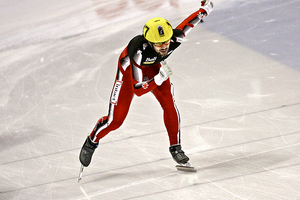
(194, 19)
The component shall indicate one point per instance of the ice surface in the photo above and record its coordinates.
(236, 86)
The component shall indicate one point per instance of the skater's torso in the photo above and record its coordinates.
(143, 59)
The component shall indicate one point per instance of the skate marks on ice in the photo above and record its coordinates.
(110, 173)
(218, 166)
(243, 153)
(187, 183)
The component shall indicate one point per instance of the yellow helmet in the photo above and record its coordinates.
(158, 30)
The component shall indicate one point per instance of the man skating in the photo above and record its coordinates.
(142, 68)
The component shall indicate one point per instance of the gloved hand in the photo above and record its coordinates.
(164, 72)
(206, 7)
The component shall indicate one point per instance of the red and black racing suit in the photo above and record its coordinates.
(137, 66)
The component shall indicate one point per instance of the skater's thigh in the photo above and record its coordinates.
(164, 94)
(121, 97)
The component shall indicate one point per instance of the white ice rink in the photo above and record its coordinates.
(237, 86)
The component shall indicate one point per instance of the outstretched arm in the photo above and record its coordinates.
(195, 18)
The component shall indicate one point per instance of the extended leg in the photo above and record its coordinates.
(120, 101)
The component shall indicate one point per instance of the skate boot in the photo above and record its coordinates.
(178, 155)
(87, 151)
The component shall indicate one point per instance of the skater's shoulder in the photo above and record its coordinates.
(137, 41)
(137, 44)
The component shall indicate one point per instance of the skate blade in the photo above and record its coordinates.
(80, 173)
(185, 168)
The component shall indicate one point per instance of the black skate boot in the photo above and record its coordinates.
(178, 155)
(87, 151)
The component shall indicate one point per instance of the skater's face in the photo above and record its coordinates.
(162, 48)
